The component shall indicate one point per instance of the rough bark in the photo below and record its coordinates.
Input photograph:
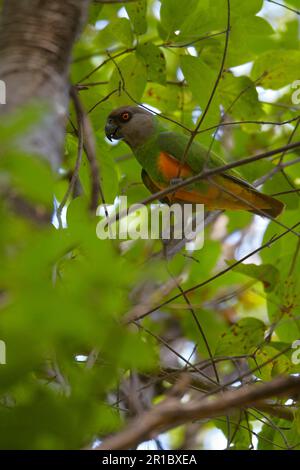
(36, 39)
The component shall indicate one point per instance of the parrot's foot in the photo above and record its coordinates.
(174, 181)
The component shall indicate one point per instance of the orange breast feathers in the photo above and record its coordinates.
(169, 167)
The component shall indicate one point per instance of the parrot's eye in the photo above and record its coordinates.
(125, 116)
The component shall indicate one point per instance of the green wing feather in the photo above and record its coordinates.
(176, 144)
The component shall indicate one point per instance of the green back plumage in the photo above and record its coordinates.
(198, 156)
(175, 144)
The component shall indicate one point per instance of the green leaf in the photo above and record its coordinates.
(137, 13)
(133, 73)
(280, 181)
(266, 436)
(17, 124)
(25, 173)
(198, 74)
(155, 62)
(239, 97)
(294, 3)
(269, 366)
(181, 15)
(169, 98)
(245, 8)
(238, 430)
(241, 338)
(116, 32)
(277, 68)
(211, 325)
(266, 273)
(238, 220)
(281, 435)
(94, 12)
(248, 37)
(108, 173)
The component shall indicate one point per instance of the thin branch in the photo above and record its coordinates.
(227, 111)
(258, 436)
(268, 422)
(290, 139)
(285, 6)
(123, 87)
(76, 169)
(252, 371)
(294, 259)
(252, 206)
(191, 43)
(166, 344)
(110, 58)
(273, 172)
(172, 412)
(90, 150)
(199, 326)
(216, 171)
(282, 193)
(103, 100)
(218, 275)
(279, 411)
(201, 119)
(205, 174)
(238, 123)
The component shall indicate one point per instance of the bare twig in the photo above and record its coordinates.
(203, 115)
(119, 54)
(195, 41)
(199, 327)
(273, 172)
(282, 193)
(76, 169)
(103, 100)
(90, 150)
(285, 6)
(219, 274)
(238, 123)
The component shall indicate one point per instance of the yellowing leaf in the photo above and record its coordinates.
(277, 68)
(241, 337)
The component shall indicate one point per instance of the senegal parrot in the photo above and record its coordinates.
(160, 151)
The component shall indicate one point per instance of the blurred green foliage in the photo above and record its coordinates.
(63, 293)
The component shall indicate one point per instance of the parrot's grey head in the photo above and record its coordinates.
(133, 124)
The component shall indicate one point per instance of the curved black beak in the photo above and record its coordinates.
(111, 130)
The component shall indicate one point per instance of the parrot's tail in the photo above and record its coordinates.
(259, 203)
(273, 206)
(226, 193)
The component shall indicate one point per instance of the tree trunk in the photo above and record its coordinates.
(36, 39)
